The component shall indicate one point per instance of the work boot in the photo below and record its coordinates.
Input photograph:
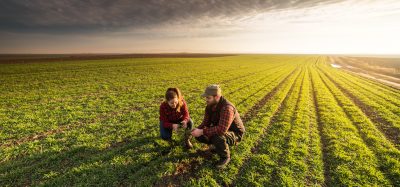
(223, 162)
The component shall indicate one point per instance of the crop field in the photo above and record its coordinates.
(384, 70)
(95, 121)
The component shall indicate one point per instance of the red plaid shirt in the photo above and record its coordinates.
(225, 120)
(170, 116)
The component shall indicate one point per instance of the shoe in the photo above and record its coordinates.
(223, 162)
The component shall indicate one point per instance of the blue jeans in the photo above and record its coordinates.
(166, 133)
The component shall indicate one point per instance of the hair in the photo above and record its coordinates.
(172, 93)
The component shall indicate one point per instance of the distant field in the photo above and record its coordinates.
(385, 70)
(30, 58)
(89, 121)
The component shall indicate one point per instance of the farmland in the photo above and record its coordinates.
(95, 121)
(385, 70)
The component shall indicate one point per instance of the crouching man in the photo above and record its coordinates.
(221, 126)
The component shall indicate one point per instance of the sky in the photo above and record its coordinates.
(200, 26)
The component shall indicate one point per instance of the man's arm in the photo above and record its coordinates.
(225, 120)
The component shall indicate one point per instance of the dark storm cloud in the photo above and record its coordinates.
(45, 16)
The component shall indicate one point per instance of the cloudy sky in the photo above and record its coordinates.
(209, 26)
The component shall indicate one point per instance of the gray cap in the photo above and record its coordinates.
(212, 90)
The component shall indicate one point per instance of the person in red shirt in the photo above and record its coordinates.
(174, 114)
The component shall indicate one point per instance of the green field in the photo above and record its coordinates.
(96, 122)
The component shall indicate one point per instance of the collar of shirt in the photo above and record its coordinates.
(214, 108)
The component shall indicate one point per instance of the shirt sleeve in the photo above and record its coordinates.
(163, 117)
(206, 120)
(185, 112)
(225, 120)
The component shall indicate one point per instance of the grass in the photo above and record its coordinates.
(85, 122)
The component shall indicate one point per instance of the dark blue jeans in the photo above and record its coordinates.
(166, 133)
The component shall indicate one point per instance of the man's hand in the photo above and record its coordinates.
(184, 124)
(175, 127)
(197, 132)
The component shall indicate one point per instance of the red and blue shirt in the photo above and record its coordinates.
(170, 115)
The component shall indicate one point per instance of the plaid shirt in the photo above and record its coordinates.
(170, 116)
(225, 120)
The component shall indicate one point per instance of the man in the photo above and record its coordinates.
(221, 126)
